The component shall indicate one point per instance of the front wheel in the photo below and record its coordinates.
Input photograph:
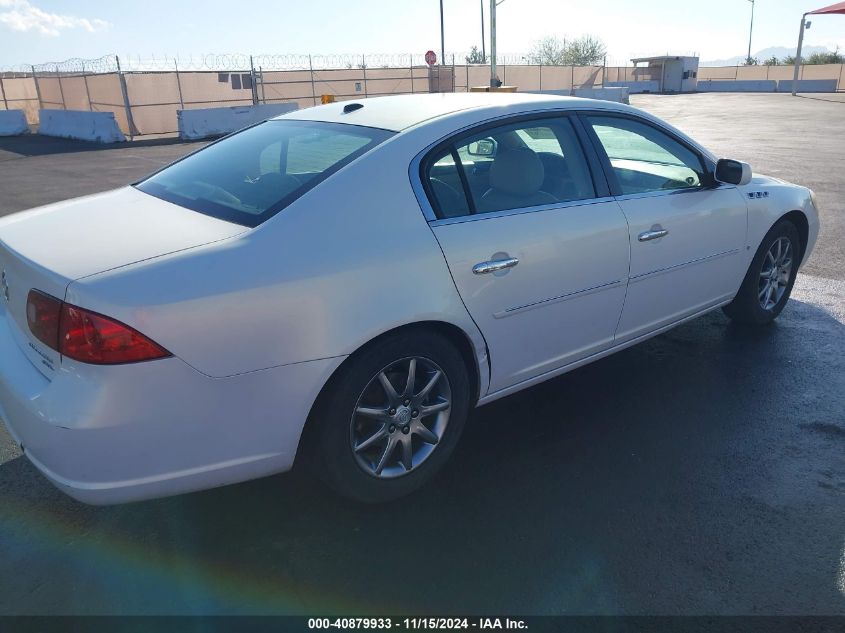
(770, 277)
(390, 420)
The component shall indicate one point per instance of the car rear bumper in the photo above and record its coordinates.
(124, 433)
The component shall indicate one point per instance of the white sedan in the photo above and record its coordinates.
(340, 285)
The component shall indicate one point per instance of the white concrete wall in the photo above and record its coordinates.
(617, 94)
(81, 125)
(13, 122)
(739, 85)
(808, 85)
(636, 87)
(209, 122)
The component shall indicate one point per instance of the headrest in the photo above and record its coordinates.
(517, 172)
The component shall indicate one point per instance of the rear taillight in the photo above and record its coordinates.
(87, 336)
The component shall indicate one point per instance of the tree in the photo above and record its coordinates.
(826, 58)
(772, 61)
(751, 61)
(789, 60)
(583, 51)
(475, 56)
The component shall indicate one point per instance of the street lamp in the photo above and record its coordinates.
(494, 83)
(483, 45)
(750, 31)
(442, 39)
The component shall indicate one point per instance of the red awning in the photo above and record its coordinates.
(839, 7)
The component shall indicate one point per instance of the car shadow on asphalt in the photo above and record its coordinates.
(635, 484)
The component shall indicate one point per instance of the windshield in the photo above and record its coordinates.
(252, 175)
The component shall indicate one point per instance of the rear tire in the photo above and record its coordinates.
(770, 277)
(375, 441)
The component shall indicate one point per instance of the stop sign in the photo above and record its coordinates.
(431, 58)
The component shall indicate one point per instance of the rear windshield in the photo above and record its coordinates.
(252, 175)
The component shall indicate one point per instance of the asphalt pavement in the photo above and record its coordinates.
(701, 472)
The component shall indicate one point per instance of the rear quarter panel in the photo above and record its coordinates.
(351, 259)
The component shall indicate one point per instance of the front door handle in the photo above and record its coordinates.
(494, 265)
(652, 235)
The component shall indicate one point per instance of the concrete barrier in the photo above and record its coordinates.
(739, 85)
(81, 125)
(636, 87)
(808, 85)
(13, 122)
(617, 94)
(209, 122)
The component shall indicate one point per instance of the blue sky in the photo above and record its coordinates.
(35, 31)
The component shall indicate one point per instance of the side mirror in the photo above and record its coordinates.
(733, 172)
(483, 147)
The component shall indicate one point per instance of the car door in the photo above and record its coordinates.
(537, 249)
(687, 232)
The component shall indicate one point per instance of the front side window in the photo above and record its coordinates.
(645, 159)
(250, 176)
(513, 166)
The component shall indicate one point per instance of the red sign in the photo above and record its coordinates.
(431, 58)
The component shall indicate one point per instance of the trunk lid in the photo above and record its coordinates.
(49, 247)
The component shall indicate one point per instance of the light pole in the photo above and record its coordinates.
(442, 39)
(494, 83)
(750, 31)
(492, 43)
(483, 45)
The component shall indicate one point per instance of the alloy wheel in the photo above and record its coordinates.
(775, 273)
(400, 417)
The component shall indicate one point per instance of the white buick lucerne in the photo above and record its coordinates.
(340, 285)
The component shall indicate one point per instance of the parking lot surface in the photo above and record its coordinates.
(701, 472)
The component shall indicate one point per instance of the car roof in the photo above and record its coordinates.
(398, 112)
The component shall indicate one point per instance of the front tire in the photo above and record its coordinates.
(770, 277)
(391, 418)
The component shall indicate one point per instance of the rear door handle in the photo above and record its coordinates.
(652, 235)
(494, 265)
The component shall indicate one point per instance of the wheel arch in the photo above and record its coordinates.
(799, 219)
(457, 336)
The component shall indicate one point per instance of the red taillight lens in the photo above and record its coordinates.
(42, 315)
(86, 336)
(93, 338)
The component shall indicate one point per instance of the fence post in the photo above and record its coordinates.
(61, 90)
(541, 76)
(839, 83)
(467, 73)
(453, 72)
(311, 74)
(412, 72)
(364, 68)
(604, 71)
(87, 91)
(130, 122)
(37, 90)
(254, 85)
(178, 84)
(571, 80)
(3, 93)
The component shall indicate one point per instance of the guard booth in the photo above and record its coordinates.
(671, 73)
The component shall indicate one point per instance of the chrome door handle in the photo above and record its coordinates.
(494, 265)
(652, 235)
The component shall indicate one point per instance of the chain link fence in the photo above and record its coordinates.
(145, 94)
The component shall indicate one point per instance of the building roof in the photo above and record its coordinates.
(660, 58)
(397, 112)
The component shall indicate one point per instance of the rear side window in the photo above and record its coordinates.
(252, 175)
(513, 166)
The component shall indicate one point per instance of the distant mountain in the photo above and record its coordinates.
(778, 51)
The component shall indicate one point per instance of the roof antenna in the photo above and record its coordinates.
(351, 107)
